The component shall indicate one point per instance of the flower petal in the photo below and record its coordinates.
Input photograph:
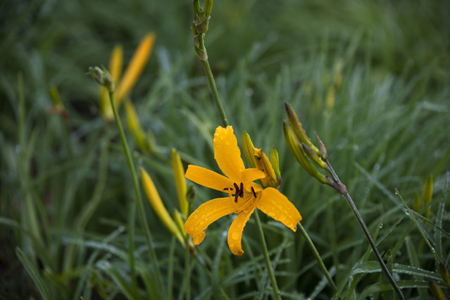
(206, 214)
(235, 231)
(227, 153)
(249, 175)
(208, 178)
(276, 205)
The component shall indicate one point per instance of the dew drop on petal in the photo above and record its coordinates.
(235, 235)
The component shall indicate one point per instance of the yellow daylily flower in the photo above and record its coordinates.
(243, 194)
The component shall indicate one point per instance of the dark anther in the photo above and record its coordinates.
(228, 189)
(253, 191)
(236, 195)
(241, 191)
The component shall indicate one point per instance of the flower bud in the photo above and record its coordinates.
(313, 155)
(417, 204)
(158, 206)
(436, 290)
(248, 149)
(444, 274)
(299, 154)
(275, 161)
(180, 182)
(297, 128)
(102, 77)
(190, 195)
(427, 195)
(262, 163)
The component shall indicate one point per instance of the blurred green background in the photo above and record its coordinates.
(386, 128)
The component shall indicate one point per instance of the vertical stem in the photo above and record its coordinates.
(369, 237)
(140, 205)
(212, 84)
(273, 280)
(187, 264)
(317, 255)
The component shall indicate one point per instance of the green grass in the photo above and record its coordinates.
(66, 191)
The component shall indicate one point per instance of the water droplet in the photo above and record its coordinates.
(381, 225)
(282, 218)
(235, 235)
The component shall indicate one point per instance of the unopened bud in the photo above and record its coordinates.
(262, 163)
(436, 290)
(102, 77)
(275, 161)
(249, 151)
(417, 204)
(297, 150)
(427, 195)
(315, 158)
(298, 128)
(444, 274)
(323, 150)
(190, 195)
(180, 182)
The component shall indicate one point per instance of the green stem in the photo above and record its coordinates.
(276, 291)
(140, 206)
(317, 255)
(187, 256)
(369, 237)
(212, 84)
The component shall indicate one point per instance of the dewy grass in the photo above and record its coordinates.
(384, 129)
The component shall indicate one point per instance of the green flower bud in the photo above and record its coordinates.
(298, 129)
(249, 149)
(297, 150)
(102, 77)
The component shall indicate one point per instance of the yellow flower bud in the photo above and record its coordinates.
(180, 182)
(158, 206)
(262, 163)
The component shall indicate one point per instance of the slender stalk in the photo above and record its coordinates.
(140, 205)
(317, 255)
(187, 264)
(369, 237)
(215, 93)
(276, 291)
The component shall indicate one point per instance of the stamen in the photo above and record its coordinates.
(241, 191)
(236, 195)
(253, 191)
(228, 189)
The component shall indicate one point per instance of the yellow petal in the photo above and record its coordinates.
(235, 231)
(276, 205)
(227, 153)
(206, 214)
(158, 206)
(208, 178)
(135, 67)
(180, 182)
(249, 175)
(115, 63)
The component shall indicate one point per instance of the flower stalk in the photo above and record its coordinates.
(302, 148)
(103, 78)
(199, 29)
